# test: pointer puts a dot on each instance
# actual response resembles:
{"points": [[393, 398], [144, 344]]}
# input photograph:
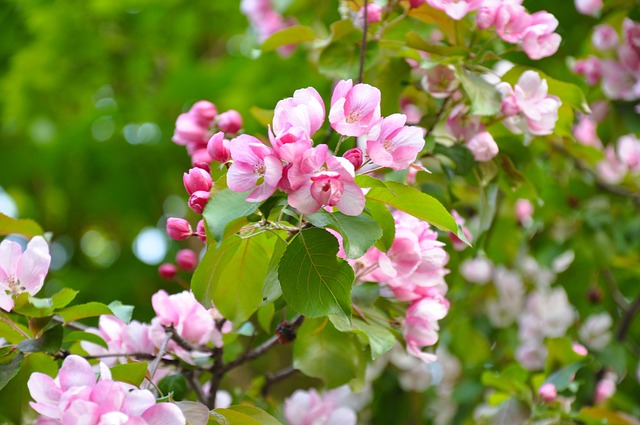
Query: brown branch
{"points": [[276, 377], [195, 386]]}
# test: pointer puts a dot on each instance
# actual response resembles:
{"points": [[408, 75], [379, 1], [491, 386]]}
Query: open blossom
{"points": [[483, 146], [440, 81], [253, 161], [22, 271], [604, 37], [611, 169], [312, 408], [590, 68], [392, 144], [456, 9], [540, 40], [477, 270], [421, 325], [596, 331], [192, 127], [76, 398], [354, 108], [628, 149]]}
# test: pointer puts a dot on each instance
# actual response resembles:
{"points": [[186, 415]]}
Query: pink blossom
{"points": [[374, 15], [121, 338], [197, 179], [589, 7], [218, 148], [610, 169], [586, 133], [187, 260], [198, 200], [421, 325], [540, 40], [477, 270], [456, 9], [230, 121], [192, 127], [355, 156], [167, 271], [253, 161], [590, 68], [311, 408], [524, 211], [320, 179], [440, 81], [621, 79], [606, 387], [200, 231], [392, 144], [483, 147], [511, 22], [548, 392], [538, 107], [22, 271], [628, 148], [579, 349], [486, 16], [178, 228], [604, 37], [596, 331], [631, 32], [354, 109]]}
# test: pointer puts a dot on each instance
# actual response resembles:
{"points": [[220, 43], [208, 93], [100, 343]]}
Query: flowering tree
{"points": [[444, 192]]}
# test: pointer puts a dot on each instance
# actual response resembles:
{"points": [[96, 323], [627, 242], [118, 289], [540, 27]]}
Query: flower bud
{"points": [[483, 147], [218, 148], [204, 112], [200, 231], [187, 260], [178, 228], [200, 155], [167, 271], [354, 156], [198, 200], [230, 121], [205, 166], [548, 392], [197, 179]]}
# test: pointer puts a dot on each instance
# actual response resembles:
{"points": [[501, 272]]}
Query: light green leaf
{"points": [[25, 227], [62, 298], [358, 233], [484, 97], [224, 207], [367, 181], [380, 338], [412, 201], [85, 336], [263, 417], [264, 116], [382, 215], [416, 42], [121, 311], [82, 311], [314, 281], [291, 35], [131, 373]]}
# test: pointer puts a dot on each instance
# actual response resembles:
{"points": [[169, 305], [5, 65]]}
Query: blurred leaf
{"points": [[121, 311], [291, 35], [25, 227], [176, 384], [429, 15], [561, 354], [484, 97], [563, 377], [321, 351], [416, 42], [511, 412], [382, 215], [310, 266], [8, 370], [358, 233], [82, 311], [604, 415], [380, 338], [265, 316], [511, 380], [132, 373], [85, 336], [195, 413], [342, 59], [49, 342], [252, 411], [264, 116], [413, 202]]}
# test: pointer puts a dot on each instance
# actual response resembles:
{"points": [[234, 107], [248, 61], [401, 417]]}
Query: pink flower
{"points": [[319, 179], [421, 325], [579, 349], [589, 7], [392, 144], [610, 169], [590, 68], [192, 127], [253, 161], [604, 37], [230, 121], [187, 260], [218, 148], [538, 107], [511, 22], [121, 338], [440, 81], [606, 388], [524, 211], [374, 14], [311, 408], [197, 179], [198, 200], [540, 40], [354, 109], [178, 228], [477, 270], [456, 9], [22, 271], [628, 148], [548, 392], [355, 156], [619, 79], [586, 133], [631, 32], [483, 147]]}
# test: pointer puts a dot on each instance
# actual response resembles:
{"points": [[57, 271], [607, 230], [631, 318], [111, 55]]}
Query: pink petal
{"points": [[164, 414], [301, 200], [6, 302], [340, 91], [352, 201], [34, 265], [76, 372], [10, 253], [378, 154], [137, 402]]}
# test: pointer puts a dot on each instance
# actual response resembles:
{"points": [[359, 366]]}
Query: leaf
{"points": [[25, 227], [85, 336], [604, 415], [341, 59], [10, 369], [121, 311], [412, 201], [429, 15], [233, 275], [484, 97], [381, 214], [195, 413], [271, 290], [49, 342], [314, 281], [380, 338], [256, 413], [264, 116], [321, 351], [82, 311], [224, 207], [175, 384], [563, 377], [358, 233], [291, 35], [511, 412], [62, 298], [265, 316], [568, 93], [367, 181], [416, 42], [132, 373]]}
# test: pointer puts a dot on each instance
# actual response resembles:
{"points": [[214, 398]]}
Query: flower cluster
{"points": [[623, 159], [265, 20], [312, 408], [75, 397]]}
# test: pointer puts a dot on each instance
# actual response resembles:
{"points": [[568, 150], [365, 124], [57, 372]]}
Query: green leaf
{"points": [[10, 369], [265, 316], [321, 351], [429, 15], [176, 384], [416, 42], [484, 97], [224, 207], [568, 93], [314, 281], [563, 377], [25, 227], [195, 413], [131, 373], [49, 342], [85, 336], [264, 116], [62, 298], [233, 275], [382, 215], [380, 338], [358, 233], [291, 35], [271, 290], [341, 59], [605, 416], [263, 417], [82, 311], [367, 181], [413, 202], [121, 311]]}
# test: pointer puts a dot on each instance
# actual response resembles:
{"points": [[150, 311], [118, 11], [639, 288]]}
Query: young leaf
{"points": [[121, 311], [82, 311], [24, 227], [563, 377], [62, 298], [224, 207], [413, 202], [291, 35], [485, 98], [49, 342], [358, 233], [131, 373], [85, 336], [314, 281]]}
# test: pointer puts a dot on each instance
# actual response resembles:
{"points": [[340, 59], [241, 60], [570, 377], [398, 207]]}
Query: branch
{"points": [[627, 319], [195, 386], [363, 46], [217, 373], [71, 325], [156, 362], [275, 377], [615, 292]]}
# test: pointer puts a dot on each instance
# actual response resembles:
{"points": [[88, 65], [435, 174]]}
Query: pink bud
{"points": [[197, 179], [548, 392], [198, 200], [230, 121], [580, 349], [604, 37], [354, 156], [203, 165], [218, 148], [167, 271], [187, 260], [201, 234], [416, 3], [605, 388], [200, 155], [178, 228], [204, 112], [510, 106]]}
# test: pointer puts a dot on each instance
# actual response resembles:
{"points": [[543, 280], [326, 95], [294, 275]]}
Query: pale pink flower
{"points": [[230, 121], [589, 7], [421, 325], [631, 32], [311, 408], [511, 22], [483, 147], [477, 270], [540, 40], [538, 107], [610, 169], [354, 108], [456, 9], [374, 15], [604, 37], [253, 161], [620, 81], [532, 355], [22, 271], [596, 331], [606, 387], [440, 81], [628, 148], [121, 338], [586, 133], [392, 144], [524, 211], [548, 392], [590, 68]]}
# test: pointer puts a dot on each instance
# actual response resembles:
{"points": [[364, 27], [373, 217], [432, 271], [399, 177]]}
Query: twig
{"points": [[627, 319], [217, 373], [71, 325], [195, 386], [615, 292], [156, 362], [363, 46], [275, 377], [183, 343]]}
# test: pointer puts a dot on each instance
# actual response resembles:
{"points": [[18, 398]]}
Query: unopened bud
{"points": [[218, 148], [167, 271], [201, 234], [187, 260], [548, 392], [178, 228], [204, 111], [230, 121], [197, 179], [354, 156], [198, 200]]}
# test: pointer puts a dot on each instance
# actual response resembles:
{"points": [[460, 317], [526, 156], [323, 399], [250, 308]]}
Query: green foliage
{"points": [[175, 384], [9, 369], [24, 227], [82, 311], [224, 208], [49, 342], [131, 373], [358, 233], [291, 35]]}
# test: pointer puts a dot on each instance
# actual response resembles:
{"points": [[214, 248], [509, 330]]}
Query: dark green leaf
{"points": [[25, 227], [85, 336], [131, 373], [176, 384], [291, 35], [358, 233], [314, 281], [49, 342], [271, 290], [224, 207], [9, 369], [82, 311]]}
